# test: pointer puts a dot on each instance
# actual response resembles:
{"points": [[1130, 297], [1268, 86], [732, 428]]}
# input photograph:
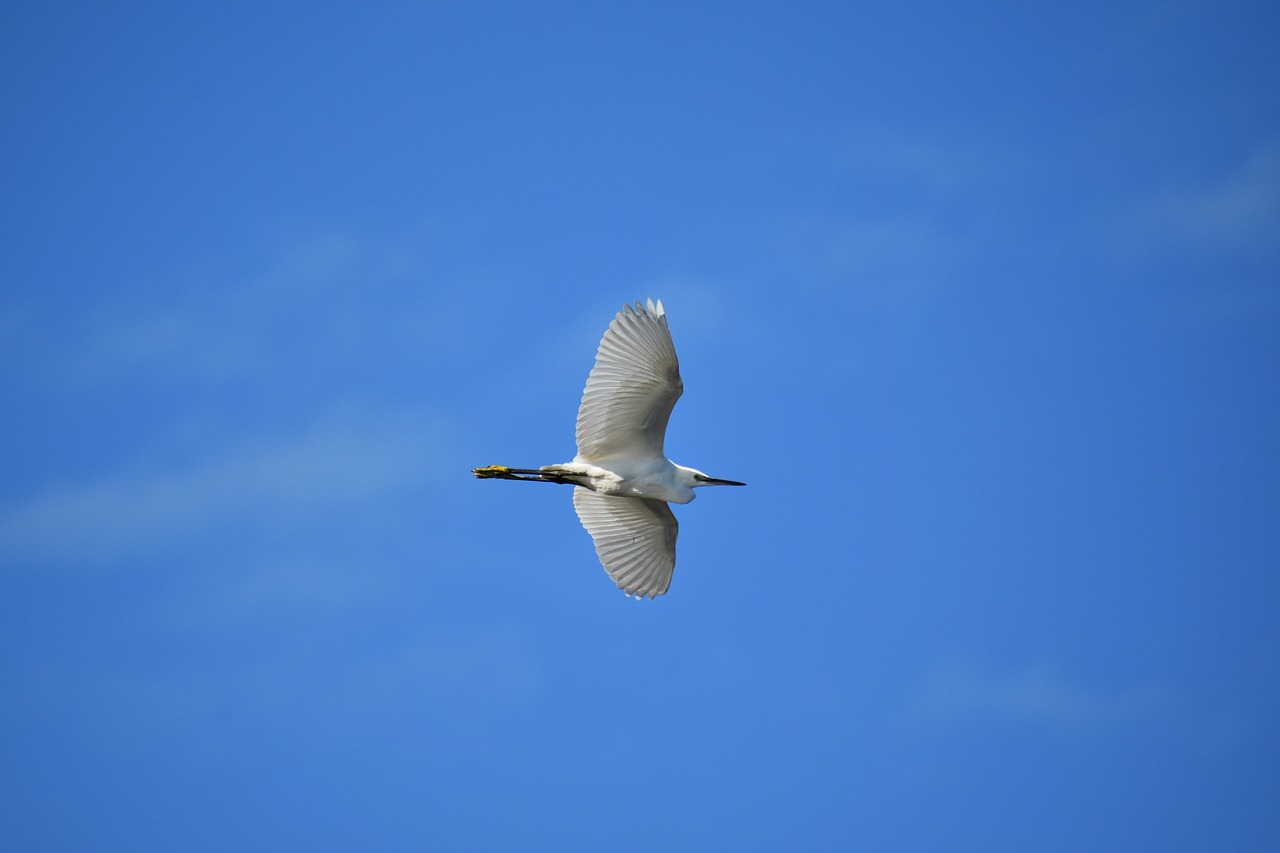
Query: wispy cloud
{"points": [[1239, 211], [1038, 695], [329, 465], [929, 167], [330, 298]]}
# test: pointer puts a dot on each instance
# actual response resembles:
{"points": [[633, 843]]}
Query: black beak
{"points": [[712, 481]]}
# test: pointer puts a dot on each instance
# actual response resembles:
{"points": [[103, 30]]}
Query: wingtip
{"points": [[651, 307], [638, 594]]}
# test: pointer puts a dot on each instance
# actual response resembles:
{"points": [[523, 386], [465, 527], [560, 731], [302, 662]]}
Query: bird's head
{"points": [[694, 478]]}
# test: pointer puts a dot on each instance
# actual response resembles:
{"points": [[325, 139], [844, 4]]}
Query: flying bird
{"points": [[623, 480]]}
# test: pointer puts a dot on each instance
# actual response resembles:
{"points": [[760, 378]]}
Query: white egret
{"points": [[623, 479]]}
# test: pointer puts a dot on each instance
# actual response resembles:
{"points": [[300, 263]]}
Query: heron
{"points": [[624, 483]]}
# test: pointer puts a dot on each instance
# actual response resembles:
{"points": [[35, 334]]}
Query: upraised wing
{"points": [[632, 387], [635, 539]]}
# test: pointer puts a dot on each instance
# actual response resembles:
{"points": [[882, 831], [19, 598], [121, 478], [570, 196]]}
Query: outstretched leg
{"points": [[502, 472]]}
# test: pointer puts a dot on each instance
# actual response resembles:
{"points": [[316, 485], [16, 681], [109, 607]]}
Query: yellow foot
{"points": [[492, 471]]}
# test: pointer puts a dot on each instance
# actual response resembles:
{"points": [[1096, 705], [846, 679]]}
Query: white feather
{"points": [[635, 539], [622, 477], [632, 388]]}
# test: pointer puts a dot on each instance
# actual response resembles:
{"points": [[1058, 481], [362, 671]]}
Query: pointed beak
{"points": [[712, 481]]}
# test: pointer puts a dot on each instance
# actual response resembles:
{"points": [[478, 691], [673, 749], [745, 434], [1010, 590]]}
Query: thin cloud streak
{"points": [[332, 297], [330, 465], [1240, 211], [1037, 695]]}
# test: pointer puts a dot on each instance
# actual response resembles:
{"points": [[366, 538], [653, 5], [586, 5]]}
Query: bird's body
{"points": [[650, 477], [624, 479]]}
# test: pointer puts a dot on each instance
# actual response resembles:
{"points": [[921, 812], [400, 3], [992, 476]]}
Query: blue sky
{"points": [[982, 300]]}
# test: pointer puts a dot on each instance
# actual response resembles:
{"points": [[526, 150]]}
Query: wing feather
{"points": [[632, 387], [635, 539]]}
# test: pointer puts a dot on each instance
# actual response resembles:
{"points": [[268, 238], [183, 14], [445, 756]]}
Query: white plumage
{"points": [[622, 476], [635, 539]]}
